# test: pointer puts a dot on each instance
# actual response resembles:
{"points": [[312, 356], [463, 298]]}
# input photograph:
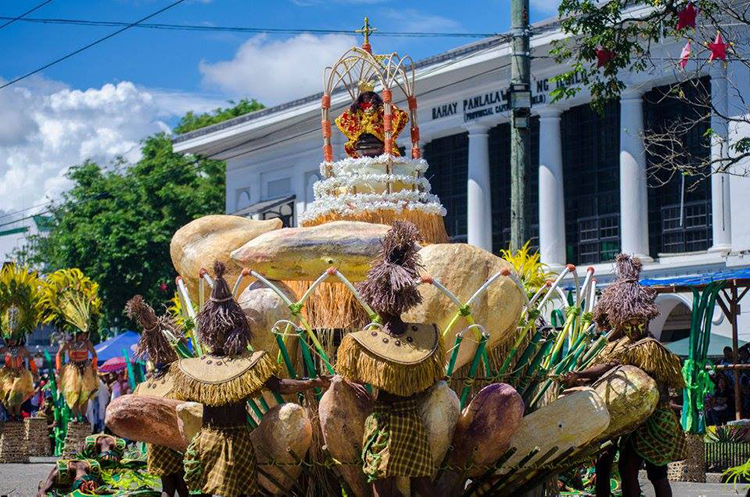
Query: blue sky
{"points": [[171, 59], [102, 103]]}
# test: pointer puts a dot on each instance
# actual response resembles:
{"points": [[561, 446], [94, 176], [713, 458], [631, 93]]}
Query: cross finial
{"points": [[366, 31]]}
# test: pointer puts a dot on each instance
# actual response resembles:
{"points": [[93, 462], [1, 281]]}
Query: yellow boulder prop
{"points": [[303, 254], [463, 269], [631, 397], [199, 243]]}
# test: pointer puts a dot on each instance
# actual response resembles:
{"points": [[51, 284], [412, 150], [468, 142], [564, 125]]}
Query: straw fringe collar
{"points": [[230, 391], [356, 363]]}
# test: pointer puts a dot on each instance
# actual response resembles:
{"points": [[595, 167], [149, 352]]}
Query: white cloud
{"points": [[46, 127], [276, 71]]}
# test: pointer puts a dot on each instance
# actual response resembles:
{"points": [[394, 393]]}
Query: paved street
{"points": [[21, 480]]}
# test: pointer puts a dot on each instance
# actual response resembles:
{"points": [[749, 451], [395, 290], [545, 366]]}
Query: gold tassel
{"points": [[656, 361], [232, 391], [357, 364], [431, 226]]}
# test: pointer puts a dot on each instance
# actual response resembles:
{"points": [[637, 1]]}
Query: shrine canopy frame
{"points": [[386, 73], [736, 286]]}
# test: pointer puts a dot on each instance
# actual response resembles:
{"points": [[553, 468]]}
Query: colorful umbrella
{"points": [[113, 365]]}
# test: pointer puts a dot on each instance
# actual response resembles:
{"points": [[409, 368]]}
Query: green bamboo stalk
{"points": [[454, 355], [309, 365], [255, 408], [285, 355], [473, 370]]}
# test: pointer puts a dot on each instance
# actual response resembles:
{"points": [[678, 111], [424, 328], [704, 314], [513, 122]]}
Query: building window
{"points": [[591, 168], [448, 158], [679, 207], [499, 150]]}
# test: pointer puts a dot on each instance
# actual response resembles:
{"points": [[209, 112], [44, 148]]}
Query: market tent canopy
{"points": [[715, 345], [700, 279], [113, 347]]}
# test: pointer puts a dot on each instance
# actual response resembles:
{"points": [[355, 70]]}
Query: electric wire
{"points": [[11, 20], [92, 44], [244, 29]]}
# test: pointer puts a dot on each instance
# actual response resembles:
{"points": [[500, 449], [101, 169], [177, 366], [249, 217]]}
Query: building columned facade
{"points": [[594, 191]]}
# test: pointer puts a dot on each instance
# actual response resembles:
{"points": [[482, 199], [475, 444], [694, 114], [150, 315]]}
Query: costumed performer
{"points": [[163, 462], [71, 304], [221, 460], [626, 308], [401, 360], [77, 378], [19, 315], [363, 125], [71, 475]]}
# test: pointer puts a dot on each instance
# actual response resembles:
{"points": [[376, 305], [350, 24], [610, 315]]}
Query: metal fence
{"points": [[721, 456]]}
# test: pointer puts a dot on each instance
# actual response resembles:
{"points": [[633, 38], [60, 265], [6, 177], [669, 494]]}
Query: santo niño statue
{"points": [[363, 125]]}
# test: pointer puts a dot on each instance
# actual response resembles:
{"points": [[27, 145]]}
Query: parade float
{"points": [[496, 420]]}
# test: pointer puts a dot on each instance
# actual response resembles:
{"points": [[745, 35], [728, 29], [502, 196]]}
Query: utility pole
{"points": [[520, 131]]}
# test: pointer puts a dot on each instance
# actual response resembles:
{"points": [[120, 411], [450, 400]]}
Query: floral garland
{"points": [[326, 187], [367, 202], [350, 165]]}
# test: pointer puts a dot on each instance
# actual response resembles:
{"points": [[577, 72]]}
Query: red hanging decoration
{"points": [[603, 57], [686, 17], [718, 48]]}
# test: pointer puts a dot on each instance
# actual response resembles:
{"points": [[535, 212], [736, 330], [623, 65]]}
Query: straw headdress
{"points": [[390, 287], [222, 324], [152, 344], [625, 300]]}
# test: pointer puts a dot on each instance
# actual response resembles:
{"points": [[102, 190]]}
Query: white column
{"points": [[633, 181], [720, 208], [479, 196], [551, 193]]}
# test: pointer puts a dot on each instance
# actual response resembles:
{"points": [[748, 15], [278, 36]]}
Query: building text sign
{"points": [[498, 102]]}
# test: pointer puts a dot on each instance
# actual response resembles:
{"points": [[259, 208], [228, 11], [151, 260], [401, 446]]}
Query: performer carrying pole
{"points": [[401, 360], [221, 459]]}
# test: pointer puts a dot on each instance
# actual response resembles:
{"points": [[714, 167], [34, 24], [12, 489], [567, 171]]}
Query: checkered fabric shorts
{"points": [[660, 440], [395, 442], [163, 461], [221, 461]]}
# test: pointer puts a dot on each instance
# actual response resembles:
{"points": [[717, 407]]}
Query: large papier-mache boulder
{"points": [[146, 419], [189, 420], [463, 269], [263, 308], [482, 434], [303, 254], [570, 421], [439, 411], [342, 419], [202, 241], [631, 397], [284, 429]]}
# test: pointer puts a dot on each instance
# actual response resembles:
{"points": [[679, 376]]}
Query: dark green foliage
{"points": [[191, 121]]}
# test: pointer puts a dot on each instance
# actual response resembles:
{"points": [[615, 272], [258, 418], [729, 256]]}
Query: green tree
{"points": [[192, 121], [116, 222], [611, 38]]}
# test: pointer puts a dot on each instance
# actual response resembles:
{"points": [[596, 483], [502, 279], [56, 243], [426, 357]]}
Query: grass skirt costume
{"points": [[78, 383], [660, 440], [16, 385], [395, 441], [221, 460]]}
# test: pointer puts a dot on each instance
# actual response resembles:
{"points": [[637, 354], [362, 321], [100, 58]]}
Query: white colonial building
{"points": [[591, 196]]}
